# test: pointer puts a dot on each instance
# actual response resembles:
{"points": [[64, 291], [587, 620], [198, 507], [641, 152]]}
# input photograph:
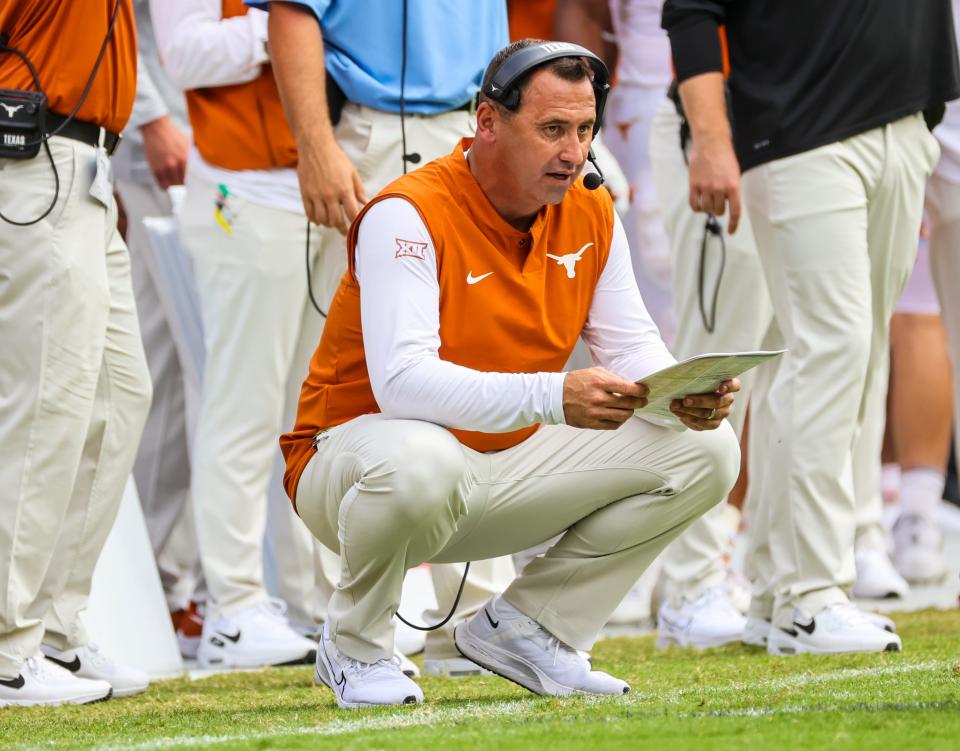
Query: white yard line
{"points": [[452, 716]]}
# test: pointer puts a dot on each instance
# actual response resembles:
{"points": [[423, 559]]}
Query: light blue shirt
{"points": [[449, 43]]}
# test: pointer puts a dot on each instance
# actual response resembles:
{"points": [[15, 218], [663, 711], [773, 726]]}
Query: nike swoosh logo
{"points": [[341, 682], [809, 627], [493, 623], [234, 638], [73, 666], [13, 682], [471, 279]]}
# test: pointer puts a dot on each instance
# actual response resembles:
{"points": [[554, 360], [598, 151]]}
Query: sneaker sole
{"points": [[124, 692], [509, 666], [89, 699], [784, 645], [221, 661]]}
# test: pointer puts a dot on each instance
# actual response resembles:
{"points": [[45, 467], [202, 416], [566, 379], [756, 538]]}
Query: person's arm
{"points": [[693, 26], [199, 48], [624, 339], [331, 189], [400, 317], [164, 145]]}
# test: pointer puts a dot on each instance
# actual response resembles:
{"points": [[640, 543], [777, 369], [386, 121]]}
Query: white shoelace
{"points": [[847, 614], [550, 643], [389, 667]]}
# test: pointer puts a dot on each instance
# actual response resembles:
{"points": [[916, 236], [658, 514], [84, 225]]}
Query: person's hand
{"points": [[331, 189], [715, 178], [166, 147], [596, 398], [706, 411]]}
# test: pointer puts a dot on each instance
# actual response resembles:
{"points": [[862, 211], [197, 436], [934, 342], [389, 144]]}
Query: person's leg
{"points": [[630, 114], [943, 208], [895, 217], [162, 466], [616, 497], [694, 563], [252, 288], [809, 215], [386, 495], [54, 307]]}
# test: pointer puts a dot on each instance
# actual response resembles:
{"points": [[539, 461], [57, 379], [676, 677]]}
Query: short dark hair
{"points": [[568, 68]]}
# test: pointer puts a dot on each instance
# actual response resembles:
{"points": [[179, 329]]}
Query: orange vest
{"points": [[242, 126], [62, 40], [525, 318]]}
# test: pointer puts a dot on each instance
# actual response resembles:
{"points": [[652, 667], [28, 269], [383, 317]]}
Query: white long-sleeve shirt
{"points": [[200, 49], [400, 316]]}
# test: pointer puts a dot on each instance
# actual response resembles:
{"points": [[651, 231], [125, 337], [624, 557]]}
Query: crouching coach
{"points": [[436, 423]]}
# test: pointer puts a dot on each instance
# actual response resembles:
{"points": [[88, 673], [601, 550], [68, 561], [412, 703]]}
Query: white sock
{"points": [[890, 482], [921, 490]]}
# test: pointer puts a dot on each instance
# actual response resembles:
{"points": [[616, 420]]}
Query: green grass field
{"points": [[734, 697]]}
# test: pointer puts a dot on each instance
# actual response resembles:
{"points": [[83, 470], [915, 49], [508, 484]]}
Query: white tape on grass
{"points": [[445, 716]]}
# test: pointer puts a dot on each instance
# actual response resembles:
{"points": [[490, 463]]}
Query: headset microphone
{"points": [[593, 180], [413, 157]]}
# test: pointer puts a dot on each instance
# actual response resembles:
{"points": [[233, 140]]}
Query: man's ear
{"points": [[488, 122]]}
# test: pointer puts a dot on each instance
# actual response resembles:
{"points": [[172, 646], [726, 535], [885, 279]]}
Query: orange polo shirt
{"points": [[62, 39], [526, 320]]}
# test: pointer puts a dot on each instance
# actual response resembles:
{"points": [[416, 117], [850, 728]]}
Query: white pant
{"points": [[391, 494], [372, 140], [162, 466], [253, 295], [74, 395], [836, 228], [629, 121], [695, 562], [943, 211]]}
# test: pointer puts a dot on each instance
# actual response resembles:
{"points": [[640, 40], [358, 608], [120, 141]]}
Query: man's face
{"points": [[545, 143]]}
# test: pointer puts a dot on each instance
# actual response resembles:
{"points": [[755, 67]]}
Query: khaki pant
{"points": [[391, 494], [836, 228], [372, 140], [695, 562], [943, 212], [162, 466], [74, 395], [253, 296]]}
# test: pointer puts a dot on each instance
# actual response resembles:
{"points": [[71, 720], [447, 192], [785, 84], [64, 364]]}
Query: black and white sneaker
{"points": [[42, 682], [256, 636], [357, 684], [837, 628], [89, 661]]}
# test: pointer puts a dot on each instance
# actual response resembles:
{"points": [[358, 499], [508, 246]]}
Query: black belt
{"points": [[79, 130]]}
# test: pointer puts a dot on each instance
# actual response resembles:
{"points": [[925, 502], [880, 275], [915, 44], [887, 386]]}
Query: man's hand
{"points": [[706, 411], [332, 191], [714, 170], [166, 147], [715, 178], [596, 398]]}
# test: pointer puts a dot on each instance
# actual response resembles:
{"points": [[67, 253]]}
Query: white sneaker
{"points": [[738, 590], [42, 682], [256, 636], [709, 621], [453, 667], [918, 548], [506, 642], [876, 576], [357, 684], [837, 628], [756, 631], [90, 662], [407, 666]]}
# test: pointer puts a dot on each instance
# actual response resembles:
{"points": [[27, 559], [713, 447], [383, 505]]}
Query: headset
{"points": [[504, 85], [38, 100]]}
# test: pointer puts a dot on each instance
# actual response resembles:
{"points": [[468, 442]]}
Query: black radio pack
{"points": [[22, 119]]}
